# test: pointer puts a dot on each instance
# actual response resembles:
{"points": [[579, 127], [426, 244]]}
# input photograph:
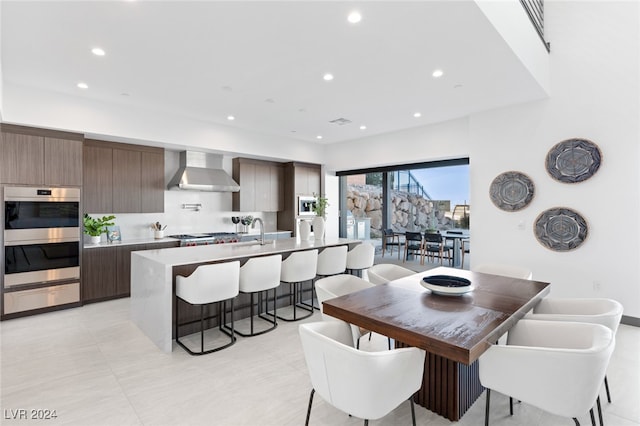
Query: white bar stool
{"points": [[360, 258], [208, 284], [259, 275], [331, 261], [299, 267]]}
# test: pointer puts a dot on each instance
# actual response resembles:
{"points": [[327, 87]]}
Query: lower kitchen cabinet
{"points": [[106, 271], [98, 274]]}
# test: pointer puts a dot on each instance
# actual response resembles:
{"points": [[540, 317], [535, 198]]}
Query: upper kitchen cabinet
{"points": [[123, 178], [299, 179], [261, 184], [307, 179], [32, 156]]}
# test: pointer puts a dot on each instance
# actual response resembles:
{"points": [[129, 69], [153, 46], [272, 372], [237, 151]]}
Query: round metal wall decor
{"points": [[511, 191], [560, 229], [573, 160]]}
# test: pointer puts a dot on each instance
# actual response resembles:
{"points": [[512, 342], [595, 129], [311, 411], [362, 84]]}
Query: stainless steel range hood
{"points": [[200, 171]]}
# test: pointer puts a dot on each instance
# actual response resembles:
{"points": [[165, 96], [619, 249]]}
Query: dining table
{"points": [[456, 237], [454, 330]]}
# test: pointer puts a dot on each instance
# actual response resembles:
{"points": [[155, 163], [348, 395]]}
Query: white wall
{"points": [[121, 122], [595, 94]]}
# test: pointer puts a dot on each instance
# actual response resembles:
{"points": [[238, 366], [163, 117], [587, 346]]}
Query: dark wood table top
{"points": [[459, 328]]}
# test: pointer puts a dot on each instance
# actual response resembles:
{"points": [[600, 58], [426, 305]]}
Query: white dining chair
{"points": [[367, 385], [512, 271], [340, 285], [557, 367], [607, 312], [382, 273]]}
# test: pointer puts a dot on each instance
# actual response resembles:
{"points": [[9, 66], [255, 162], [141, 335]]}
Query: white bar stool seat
{"points": [[208, 284], [257, 276], [360, 258], [299, 267]]}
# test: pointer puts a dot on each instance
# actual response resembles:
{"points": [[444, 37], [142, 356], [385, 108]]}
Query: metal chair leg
{"points": [[511, 406], [593, 418], [413, 411], [606, 387], [599, 411], [577, 422], [306, 423], [486, 408]]}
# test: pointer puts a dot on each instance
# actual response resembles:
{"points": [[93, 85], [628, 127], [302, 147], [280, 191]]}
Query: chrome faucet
{"points": [[253, 225]]}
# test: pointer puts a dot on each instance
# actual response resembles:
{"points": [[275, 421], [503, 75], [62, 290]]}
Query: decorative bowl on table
{"points": [[447, 285]]}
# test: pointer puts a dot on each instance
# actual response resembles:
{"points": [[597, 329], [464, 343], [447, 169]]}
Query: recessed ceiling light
{"points": [[354, 17], [363, 127], [319, 137], [230, 117], [97, 51], [83, 85], [328, 77], [417, 115], [438, 73]]}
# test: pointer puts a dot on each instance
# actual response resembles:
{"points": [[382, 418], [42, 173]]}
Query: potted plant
{"points": [[320, 209], [96, 227]]}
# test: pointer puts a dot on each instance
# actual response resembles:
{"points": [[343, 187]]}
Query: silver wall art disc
{"points": [[561, 229], [573, 160], [511, 191]]}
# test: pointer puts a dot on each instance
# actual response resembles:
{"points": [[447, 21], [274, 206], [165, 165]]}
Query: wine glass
{"points": [[236, 221]]}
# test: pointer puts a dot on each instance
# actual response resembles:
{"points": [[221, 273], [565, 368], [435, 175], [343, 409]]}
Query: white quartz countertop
{"points": [[218, 252], [149, 240]]}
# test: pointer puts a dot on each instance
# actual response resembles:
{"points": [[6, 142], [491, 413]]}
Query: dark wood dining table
{"points": [[453, 330]]}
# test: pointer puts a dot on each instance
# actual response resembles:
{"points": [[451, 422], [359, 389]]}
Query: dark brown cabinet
{"points": [[62, 162], [299, 179], [98, 179], [261, 185], [98, 274], [123, 178], [127, 168], [32, 156], [106, 271], [152, 182]]}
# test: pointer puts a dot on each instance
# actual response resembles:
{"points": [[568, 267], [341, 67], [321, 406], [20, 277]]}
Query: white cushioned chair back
{"points": [[556, 366], [339, 285], [260, 273], [299, 266], [210, 283], [512, 271], [332, 260], [385, 272], [361, 256], [364, 384], [607, 312]]}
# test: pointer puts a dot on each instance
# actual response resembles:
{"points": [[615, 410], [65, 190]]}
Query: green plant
{"points": [[320, 207], [98, 226]]}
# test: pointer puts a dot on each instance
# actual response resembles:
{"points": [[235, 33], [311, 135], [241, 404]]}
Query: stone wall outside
{"points": [[409, 212]]}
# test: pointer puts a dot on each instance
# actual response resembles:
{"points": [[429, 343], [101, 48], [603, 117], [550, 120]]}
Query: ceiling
{"points": [[263, 62]]}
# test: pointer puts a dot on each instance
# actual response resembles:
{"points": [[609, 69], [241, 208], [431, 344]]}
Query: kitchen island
{"points": [[153, 275]]}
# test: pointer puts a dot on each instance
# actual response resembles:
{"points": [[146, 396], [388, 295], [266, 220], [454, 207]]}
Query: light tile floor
{"points": [[93, 366]]}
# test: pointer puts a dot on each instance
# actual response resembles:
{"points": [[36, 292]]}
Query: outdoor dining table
{"points": [[457, 238], [453, 330]]}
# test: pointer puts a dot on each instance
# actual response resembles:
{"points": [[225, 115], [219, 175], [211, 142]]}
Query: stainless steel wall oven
{"points": [[41, 248]]}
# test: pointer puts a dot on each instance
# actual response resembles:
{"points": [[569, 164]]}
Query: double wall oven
{"points": [[41, 248]]}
